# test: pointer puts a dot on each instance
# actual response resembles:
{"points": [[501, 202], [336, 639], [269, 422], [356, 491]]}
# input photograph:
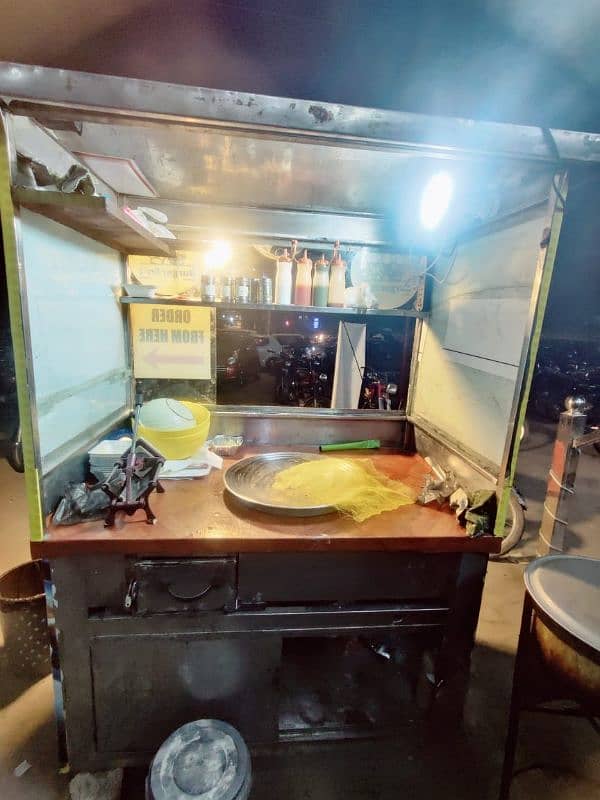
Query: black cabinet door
{"points": [[144, 687]]}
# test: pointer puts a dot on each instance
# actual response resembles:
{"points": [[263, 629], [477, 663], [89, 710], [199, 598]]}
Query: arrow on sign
{"points": [[155, 357]]}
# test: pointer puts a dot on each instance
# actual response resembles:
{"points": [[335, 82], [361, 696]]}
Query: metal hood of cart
{"points": [[247, 164]]}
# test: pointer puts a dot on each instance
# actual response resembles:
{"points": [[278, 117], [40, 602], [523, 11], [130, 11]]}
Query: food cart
{"points": [[214, 609]]}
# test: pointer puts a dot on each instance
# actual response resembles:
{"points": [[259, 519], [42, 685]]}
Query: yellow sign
{"points": [[171, 341]]}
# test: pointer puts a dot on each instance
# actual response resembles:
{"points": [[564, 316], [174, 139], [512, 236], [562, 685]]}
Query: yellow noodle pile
{"points": [[354, 487]]}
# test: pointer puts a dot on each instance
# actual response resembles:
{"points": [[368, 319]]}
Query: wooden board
{"points": [[196, 518]]}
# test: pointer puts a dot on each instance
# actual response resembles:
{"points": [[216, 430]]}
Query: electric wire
{"points": [[431, 274]]}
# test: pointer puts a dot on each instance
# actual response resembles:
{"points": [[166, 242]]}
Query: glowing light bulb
{"points": [[436, 199], [218, 254]]}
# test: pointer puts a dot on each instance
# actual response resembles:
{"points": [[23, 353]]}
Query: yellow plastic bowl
{"points": [[177, 444]]}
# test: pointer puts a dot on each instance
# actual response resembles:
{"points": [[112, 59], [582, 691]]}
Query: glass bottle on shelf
{"points": [[302, 288], [320, 287], [337, 279], [283, 280]]}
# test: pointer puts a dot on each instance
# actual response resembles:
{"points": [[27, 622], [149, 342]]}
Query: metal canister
{"points": [[257, 291], [242, 290], [267, 290], [227, 290], [208, 285]]}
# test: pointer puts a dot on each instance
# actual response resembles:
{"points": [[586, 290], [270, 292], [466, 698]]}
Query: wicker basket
{"points": [[23, 620]]}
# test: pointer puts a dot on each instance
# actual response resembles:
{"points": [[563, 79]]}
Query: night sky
{"points": [[530, 61]]}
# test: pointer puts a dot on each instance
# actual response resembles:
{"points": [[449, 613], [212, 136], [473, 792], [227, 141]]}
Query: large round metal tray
{"points": [[567, 589], [251, 482]]}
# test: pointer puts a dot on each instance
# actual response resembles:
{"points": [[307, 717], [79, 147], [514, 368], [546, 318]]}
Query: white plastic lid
{"points": [[165, 414]]}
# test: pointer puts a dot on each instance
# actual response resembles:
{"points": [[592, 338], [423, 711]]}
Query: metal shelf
{"points": [[94, 217], [369, 312]]}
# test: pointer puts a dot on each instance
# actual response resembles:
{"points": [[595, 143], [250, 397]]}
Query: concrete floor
{"points": [[444, 764]]}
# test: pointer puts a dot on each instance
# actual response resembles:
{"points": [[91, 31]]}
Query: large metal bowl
{"points": [[250, 481], [572, 662], [566, 593]]}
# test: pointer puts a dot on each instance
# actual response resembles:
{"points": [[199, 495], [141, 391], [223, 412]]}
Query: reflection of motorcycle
{"points": [[377, 392], [304, 378]]}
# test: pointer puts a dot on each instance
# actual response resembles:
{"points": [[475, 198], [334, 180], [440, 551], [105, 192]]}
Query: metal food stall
{"points": [[215, 609]]}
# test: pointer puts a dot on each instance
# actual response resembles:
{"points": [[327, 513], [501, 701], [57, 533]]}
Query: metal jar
{"points": [[209, 288], [267, 290], [257, 296], [242, 290], [227, 290]]}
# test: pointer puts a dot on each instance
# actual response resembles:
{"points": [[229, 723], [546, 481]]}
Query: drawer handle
{"points": [[130, 597], [190, 597]]}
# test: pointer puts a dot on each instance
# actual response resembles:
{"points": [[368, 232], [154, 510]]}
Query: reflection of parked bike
{"points": [[377, 392], [304, 378]]}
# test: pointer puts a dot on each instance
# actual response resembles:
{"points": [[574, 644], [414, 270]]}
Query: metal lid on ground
{"points": [[204, 760], [567, 589]]}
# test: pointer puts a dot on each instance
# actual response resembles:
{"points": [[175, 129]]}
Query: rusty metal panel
{"points": [[59, 91]]}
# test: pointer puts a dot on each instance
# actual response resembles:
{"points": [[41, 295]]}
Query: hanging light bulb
{"points": [[436, 199], [217, 255]]}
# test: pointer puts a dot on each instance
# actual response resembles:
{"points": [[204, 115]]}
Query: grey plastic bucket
{"points": [[23, 621]]}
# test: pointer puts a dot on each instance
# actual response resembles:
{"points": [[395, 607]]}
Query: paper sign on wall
{"points": [[169, 275], [171, 341]]}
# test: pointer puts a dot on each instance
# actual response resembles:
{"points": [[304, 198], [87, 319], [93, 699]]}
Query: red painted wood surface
{"points": [[195, 518]]}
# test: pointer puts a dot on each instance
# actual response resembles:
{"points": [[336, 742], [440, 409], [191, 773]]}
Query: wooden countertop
{"points": [[195, 518]]}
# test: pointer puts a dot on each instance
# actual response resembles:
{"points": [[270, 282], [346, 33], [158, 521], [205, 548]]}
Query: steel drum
{"points": [[250, 481], [566, 593]]}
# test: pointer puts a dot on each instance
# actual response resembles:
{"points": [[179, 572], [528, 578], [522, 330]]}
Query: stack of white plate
{"points": [[105, 454]]}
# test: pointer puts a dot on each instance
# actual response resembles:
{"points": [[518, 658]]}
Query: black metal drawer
{"points": [[345, 577], [195, 584]]}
